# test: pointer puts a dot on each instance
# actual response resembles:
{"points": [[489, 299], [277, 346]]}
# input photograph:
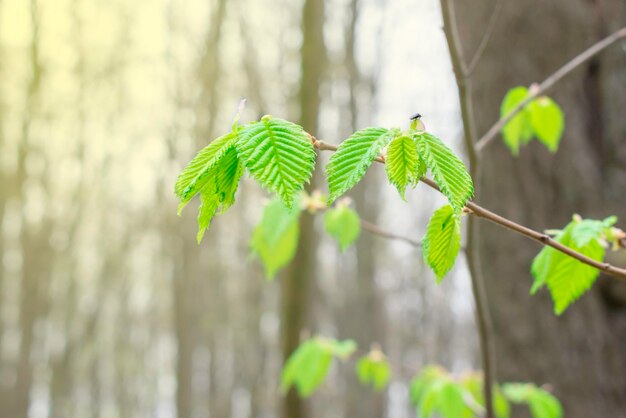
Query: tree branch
{"points": [[483, 213], [549, 82]]}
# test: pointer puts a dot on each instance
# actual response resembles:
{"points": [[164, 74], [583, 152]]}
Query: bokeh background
{"points": [[109, 308]]}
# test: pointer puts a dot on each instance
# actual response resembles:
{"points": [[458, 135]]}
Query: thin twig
{"points": [[549, 82], [376, 230], [540, 237], [485, 39]]}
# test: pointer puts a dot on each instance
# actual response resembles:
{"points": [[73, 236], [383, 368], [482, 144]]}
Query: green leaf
{"points": [[306, 368], [308, 365], [343, 224], [451, 403], [275, 238], [448, 170], [473, 384], [199, 171], [354, 155], [542, 404], [279, 155], [547, 121], [567, 278], [419, 384], [404, 168], [373, 369], [442, 241], [339, 348], [518, 130], [208, 206], [220, 189]]}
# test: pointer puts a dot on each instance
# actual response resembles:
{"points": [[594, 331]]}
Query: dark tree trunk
{"points": [[297, 282], [581, 354]]}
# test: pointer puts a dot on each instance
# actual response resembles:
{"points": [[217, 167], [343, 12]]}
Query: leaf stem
{"points": [[549, 82]]}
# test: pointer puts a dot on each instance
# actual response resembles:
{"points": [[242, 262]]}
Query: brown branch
{"points": [[550, 82], [481, 212]]}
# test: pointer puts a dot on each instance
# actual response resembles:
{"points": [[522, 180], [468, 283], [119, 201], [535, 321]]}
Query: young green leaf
{"points": [[404, 168], [518, 130], [473, 384], [421, 382], [275, 238], [547, 121], [448, 170], [542, 404], [373, 369], [199, 171], [220, 189], [208, 206], [567, 278], [442, 241], [308, 365], [343, 224], [306, 368], [348, 165], [279, 155]]}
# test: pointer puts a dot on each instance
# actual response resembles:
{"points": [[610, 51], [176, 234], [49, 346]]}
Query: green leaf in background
{"points": [[541, 117], [542, 404], [275, 238], [448, 170], [404, 168], [308, 365], [306, 368], [279, 155], [421, 382], [348, 165], [567, 278], [442, 241], [547, 121], [439, 396], [473, 383], [373, 369], [518, 130], [200, 170], [343, 224]]}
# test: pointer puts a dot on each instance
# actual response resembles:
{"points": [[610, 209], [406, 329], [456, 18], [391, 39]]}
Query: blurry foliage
{"points": [[542, 118]]}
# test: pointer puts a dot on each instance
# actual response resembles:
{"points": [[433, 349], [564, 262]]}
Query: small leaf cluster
{"points": [[567, 278], [277, 153], [374, 370], [409, 156], [436, 393], [308, 365], [541, 118], [275, 237]]}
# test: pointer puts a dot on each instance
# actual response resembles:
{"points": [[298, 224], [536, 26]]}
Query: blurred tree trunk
{"points": [[582, 354], [297, 282], [363, 313]]}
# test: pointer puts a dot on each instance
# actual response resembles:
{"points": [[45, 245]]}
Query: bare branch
{"points": [[550, 82]]}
